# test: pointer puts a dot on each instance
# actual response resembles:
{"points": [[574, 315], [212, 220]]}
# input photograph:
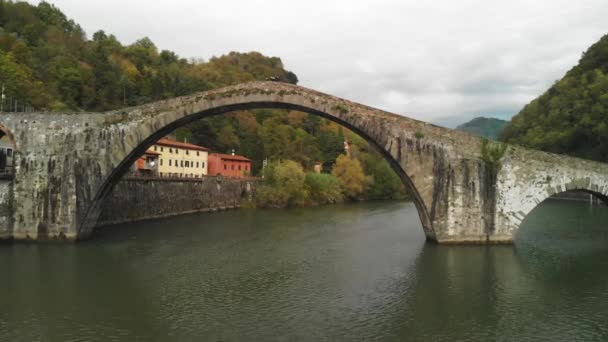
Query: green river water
{"points": [[357, 272]]}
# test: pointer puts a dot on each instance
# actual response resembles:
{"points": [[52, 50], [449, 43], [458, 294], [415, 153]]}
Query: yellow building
{"points": [[179, 159]]}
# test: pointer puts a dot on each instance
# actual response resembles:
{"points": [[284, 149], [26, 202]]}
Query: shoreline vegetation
{"points": [[286, 184]]}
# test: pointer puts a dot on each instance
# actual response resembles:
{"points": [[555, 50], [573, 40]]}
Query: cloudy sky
{"points": [[443, 61]]}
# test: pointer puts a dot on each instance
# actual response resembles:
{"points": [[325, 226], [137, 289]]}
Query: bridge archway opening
{"points": [[567, 215], [94, 210]]}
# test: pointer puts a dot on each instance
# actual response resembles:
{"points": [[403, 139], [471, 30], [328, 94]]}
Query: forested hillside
{"points": [[48, 64], [490, 128], [572, 116]]}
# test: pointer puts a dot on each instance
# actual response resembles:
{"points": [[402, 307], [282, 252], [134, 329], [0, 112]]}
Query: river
{"points": [[337, 273]]}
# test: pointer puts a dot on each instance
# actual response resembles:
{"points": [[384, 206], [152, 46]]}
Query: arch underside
{"points": [[598, 195], [556, 195], [87, 224]]}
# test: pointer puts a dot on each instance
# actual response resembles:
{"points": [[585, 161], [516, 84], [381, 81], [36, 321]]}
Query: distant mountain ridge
{"points": [[490, 128]]}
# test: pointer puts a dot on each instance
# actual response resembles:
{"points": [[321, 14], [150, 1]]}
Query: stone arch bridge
{"points": [[66, 164]]}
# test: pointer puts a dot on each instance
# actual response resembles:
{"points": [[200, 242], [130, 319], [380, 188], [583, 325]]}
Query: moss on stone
{"points": [[491, 154]]}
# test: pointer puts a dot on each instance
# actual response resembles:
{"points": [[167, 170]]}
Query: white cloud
{"points": [[440, 60]]}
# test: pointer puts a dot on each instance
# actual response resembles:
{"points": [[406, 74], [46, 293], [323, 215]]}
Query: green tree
{"points": [[323, 188], [570, 117], [350, 174], [284, 185]]}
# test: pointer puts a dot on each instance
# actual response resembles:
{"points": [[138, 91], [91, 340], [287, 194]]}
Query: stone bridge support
{"points": [[67, 164]]}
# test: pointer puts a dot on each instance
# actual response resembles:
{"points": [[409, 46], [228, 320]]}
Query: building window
{"points": [[203, 165], [197, 164], [162, 149], [187, 152], [239, 167], [197, 153], [161, 162], [155, 148], [169, 162], [224, 166], [170, 150], [181, 163]]}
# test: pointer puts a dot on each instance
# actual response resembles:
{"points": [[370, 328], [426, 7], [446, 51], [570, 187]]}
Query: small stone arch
{"points": [[581, 186], [4, 131]]}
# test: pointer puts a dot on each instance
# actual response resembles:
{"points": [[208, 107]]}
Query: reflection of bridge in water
{"points": [[465, 191]]}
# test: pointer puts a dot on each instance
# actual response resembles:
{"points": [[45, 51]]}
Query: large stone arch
{"points": [[423, 155], [181, 118]]}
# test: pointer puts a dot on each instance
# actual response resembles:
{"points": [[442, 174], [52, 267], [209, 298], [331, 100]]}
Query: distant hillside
{"points": [[572, 116], [48, 63], [490, 128]]}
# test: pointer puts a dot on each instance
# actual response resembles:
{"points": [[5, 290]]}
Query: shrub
{"points": [[323, 188], [284, 185], [350, 173]]}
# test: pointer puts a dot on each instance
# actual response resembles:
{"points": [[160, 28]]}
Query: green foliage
{"points": [[323, 188], [386, 184], [350, 174], [284, 186], [490, 128], [48, 64], [571, 117], [491, 154], [419, 135]]}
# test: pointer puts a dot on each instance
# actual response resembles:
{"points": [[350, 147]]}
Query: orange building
{"points": [[229, 165]]}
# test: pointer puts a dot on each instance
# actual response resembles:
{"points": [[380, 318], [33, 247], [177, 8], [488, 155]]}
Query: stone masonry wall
{"points": [[6, 207], [137, 199]]}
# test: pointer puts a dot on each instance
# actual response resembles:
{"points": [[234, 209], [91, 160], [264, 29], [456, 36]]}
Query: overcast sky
{"points": [[443, 61]]}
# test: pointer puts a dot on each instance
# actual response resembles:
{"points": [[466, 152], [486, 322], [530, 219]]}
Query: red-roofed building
{"points": [[229, 165]]}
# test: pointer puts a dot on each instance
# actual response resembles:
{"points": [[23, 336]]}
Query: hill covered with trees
{"points": [[490, 128], [572, 116], [48, 64]]}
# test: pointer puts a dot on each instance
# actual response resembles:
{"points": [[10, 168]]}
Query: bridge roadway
{"points": [[466, 191]]}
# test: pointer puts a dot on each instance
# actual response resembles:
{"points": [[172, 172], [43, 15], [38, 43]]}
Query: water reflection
{"points": [[358, 272]]}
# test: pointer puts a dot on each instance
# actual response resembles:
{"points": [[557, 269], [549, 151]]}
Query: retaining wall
{"points": [[137, 199]]}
